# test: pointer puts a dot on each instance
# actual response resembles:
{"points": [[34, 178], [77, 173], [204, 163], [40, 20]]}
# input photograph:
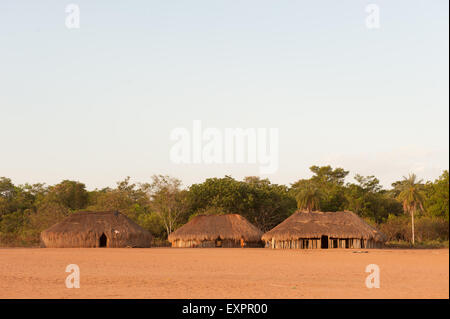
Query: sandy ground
{"points": [[223, 273]]}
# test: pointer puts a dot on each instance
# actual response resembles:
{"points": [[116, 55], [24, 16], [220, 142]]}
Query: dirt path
{"points": [[223, 273]]}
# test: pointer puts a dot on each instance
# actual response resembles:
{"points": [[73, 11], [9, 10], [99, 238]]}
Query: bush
{"points": [[427, 229], [153, 223], [431, 229], [421, 245], [396, 228], [12, 231]]}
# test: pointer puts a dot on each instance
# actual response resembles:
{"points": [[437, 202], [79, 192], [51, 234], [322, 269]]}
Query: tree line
{"points": [[409, 210]]}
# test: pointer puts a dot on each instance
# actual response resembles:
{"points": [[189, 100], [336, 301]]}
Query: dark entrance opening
{"points": [[218, 242], [324, 242], [103, 240], [335, 243]]}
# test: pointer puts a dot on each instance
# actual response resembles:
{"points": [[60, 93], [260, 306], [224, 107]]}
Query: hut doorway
{"points": [[335, 243], [324, 242], [103, 241], [218, 242]]}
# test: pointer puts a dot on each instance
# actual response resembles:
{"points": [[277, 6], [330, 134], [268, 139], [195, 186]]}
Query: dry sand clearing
{"points": [[222, 273]]}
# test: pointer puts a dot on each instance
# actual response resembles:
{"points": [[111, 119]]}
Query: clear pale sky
{"points": [[97, 104]]}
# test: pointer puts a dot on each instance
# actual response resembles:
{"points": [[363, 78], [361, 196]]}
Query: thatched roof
{"points": [[83, 229], [315, 224], [210, 227]]}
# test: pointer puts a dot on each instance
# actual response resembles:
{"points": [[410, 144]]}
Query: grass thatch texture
{"points": [[210, 227], [316, 224], [84, 229]]}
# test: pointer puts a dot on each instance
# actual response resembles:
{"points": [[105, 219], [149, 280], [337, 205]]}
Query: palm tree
{"points": [[411, 196], [308, 198]]}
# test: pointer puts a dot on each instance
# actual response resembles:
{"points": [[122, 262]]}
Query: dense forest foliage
{"points": [[162, 205]]}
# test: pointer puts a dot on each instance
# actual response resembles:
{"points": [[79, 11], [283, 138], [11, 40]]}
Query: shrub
{"points": [[431, 229], [398, 228], [153, 223]]}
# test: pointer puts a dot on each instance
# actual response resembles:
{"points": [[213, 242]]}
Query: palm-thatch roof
{"points": [[84, 229], [316, 224], [211, 227]]}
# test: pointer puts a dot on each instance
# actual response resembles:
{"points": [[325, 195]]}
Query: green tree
{"points": [[268, 204], [232, 196], [411, 196], [368, 199], [168, 200], [330, 182], [71, 194], [324, 175], [264, 204], [309, 197], [153, 222], [7, 194], [47, 214], [129, 198], [437, 196]]}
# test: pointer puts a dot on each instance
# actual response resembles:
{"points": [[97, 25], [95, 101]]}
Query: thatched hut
{"points": [[312, 230], [230, 230], [96, 229]]}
